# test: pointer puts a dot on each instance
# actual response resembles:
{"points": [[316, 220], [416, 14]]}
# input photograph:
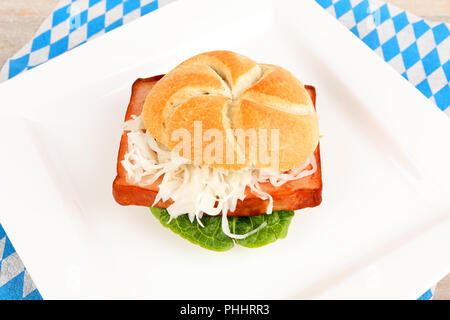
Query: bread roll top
{"points": [[223, 110]]}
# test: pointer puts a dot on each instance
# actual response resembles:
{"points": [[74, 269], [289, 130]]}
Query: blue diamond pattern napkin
{"points": [[419, 50]]}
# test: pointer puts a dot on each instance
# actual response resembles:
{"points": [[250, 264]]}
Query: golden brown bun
{"points": [[225, 90]]}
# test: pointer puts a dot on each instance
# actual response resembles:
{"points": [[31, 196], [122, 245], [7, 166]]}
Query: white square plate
{"points": [[382, 231]]}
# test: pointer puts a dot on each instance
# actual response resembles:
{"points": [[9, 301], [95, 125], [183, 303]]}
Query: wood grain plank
{"points": [[434, 10]]}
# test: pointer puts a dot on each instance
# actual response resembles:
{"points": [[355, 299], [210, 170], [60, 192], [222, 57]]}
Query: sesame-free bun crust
{"points": [[227, 91]]}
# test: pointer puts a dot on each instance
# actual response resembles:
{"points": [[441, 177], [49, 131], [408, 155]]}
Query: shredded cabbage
{"points": [[193, 189]]}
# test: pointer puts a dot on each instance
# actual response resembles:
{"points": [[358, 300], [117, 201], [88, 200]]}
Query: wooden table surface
{"points": [[19, 20]]}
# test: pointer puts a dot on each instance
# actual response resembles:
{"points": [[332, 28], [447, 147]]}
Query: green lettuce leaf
{"points": [[277, 228], [212, 237]]}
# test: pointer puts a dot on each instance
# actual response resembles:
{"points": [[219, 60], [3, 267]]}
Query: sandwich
{"points": [[222, 149]]}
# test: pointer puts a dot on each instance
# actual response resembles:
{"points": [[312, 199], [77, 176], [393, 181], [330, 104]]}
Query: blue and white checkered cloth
{"points": [[419, 50]]}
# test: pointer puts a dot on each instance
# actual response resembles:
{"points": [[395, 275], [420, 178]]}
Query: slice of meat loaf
{"points": [[293, 195]]}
